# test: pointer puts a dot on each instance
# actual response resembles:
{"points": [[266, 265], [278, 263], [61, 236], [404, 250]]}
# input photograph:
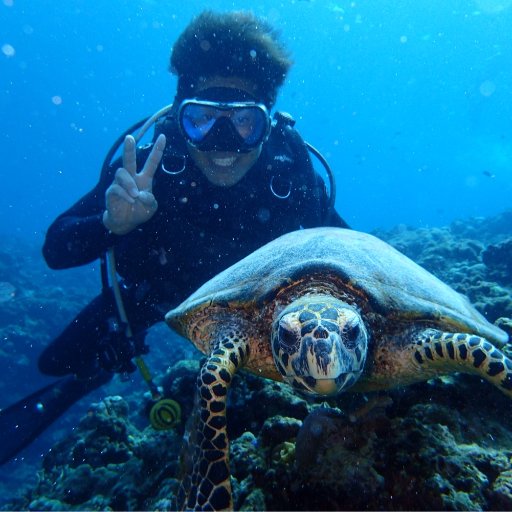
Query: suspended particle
{"points": [[8, 50], [487, 88]]}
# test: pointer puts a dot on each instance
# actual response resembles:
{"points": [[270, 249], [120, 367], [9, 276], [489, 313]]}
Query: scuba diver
{"points": [[221, 178]]}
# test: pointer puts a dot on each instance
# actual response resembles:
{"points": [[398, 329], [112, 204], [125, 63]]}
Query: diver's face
{"points": [[224, 168]]}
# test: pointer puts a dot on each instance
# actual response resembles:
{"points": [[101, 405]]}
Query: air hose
{"points": [[141, 365], [164, 413]]}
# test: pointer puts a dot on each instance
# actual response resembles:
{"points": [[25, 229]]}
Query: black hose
{"points": [[117, 144], [328, 170]]}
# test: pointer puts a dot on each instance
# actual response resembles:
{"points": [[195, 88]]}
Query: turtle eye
{"points": [[288, 338], [351, 333]]}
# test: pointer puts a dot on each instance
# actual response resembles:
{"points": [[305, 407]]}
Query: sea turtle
{"points": [[326, 310]]}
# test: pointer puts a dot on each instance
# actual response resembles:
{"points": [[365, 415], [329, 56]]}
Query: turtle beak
{"points": [[322, 358], [323, 367], [310, 386], [325, 387]]}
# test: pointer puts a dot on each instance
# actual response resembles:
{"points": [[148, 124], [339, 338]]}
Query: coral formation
{"points": [[473, 256], [498, 257], [106, 463], [445, 444]]}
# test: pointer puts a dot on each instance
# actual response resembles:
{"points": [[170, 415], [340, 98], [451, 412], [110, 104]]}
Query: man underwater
{"points": [[220, 179]]}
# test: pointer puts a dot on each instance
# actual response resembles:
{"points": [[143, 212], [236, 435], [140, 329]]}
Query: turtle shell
{"points": [[394, 287]]}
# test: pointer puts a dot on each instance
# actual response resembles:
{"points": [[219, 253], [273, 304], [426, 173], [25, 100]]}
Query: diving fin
{"points": [[23, 421]]}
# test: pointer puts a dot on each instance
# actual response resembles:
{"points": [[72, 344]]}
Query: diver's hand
{"points": [[130, 200]]}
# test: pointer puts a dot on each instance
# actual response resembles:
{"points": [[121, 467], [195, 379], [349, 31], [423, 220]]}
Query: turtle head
{"points": [[319, 344]]}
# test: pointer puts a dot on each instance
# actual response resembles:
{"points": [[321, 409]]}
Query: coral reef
{"points": [[499, 257], [34, 306], [473, 256], [445, 444], [106, 463]]}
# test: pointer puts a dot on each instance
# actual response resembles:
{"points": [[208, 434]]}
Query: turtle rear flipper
{"points": [[205, 483], [443, 352]]}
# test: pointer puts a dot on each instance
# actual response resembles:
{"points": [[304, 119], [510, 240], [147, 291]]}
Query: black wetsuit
{"points": [[198, 230]]}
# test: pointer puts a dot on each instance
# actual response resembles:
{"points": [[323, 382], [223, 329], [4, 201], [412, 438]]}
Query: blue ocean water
{"points": [[409, 101]]}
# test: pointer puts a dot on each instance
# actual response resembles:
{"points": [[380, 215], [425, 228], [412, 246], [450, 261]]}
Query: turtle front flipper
{"points": [[427, 353], [205, 481], [439, 352]]}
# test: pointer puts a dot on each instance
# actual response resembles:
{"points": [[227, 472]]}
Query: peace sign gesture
{"points": [[130, 200]]}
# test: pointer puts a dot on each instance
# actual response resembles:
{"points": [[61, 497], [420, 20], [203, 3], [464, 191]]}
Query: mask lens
{"points": [[197, 121], [249, 122]]}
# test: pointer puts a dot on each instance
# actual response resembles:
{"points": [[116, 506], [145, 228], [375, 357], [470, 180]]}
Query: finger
{"points": [[130, 155], [127, 181], [153, 160], [116, 190], [147, 199]]}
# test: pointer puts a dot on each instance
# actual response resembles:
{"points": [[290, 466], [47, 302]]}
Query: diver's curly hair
{"points": [[230, 44]]}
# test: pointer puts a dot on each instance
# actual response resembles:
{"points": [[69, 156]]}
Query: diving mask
{"points": [[239, 126]]}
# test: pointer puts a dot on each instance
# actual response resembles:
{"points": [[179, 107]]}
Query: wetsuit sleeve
{"points": [[78, 235]]}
